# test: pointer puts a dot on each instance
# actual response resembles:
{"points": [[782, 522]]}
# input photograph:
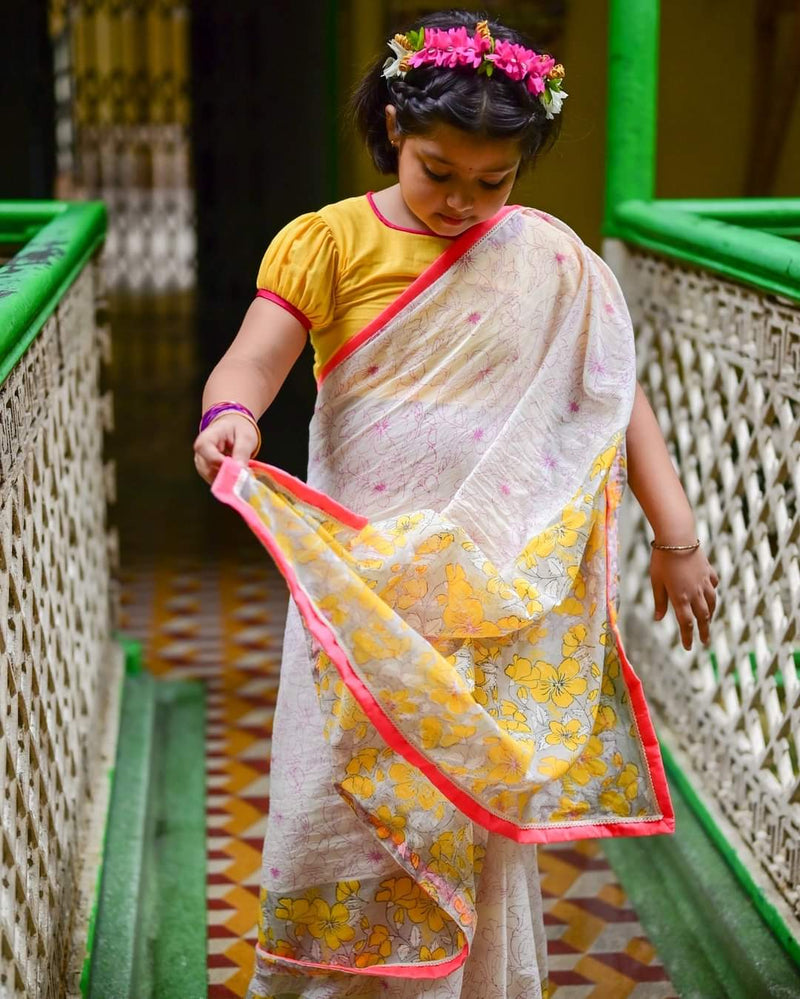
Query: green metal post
{"points": [[632, 98]]}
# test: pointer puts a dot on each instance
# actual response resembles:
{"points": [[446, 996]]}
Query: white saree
{"points": [[459, 691]]}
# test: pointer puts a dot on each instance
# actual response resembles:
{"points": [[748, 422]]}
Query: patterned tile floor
{"points": [[222, 622]]}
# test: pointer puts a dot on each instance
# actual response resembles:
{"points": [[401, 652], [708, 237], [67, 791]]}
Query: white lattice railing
{"points": [[720, 364], [58, 668]]}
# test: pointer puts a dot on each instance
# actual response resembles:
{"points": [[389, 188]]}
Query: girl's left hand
{"points": [[688, 582]]}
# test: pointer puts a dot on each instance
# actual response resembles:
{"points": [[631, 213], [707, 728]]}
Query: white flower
{"points": [[391, 67], [552, 101]]}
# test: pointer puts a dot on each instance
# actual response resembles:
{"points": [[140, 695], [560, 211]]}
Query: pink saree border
{"points": [[224, 490], [461, 245], [381, 970], [641, 712]]}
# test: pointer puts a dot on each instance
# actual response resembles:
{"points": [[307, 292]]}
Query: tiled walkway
{"points": [[223, 624]]}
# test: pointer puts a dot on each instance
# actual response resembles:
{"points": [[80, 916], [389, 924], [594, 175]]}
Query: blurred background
{"points": [[205, 126]]}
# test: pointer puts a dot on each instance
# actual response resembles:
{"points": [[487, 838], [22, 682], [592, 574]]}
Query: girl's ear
{"points": [[391, 124]]}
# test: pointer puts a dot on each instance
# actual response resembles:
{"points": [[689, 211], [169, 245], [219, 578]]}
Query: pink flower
{"points": [[535, 84], [450, 48], [505, 489], [511, 59], [474, 317]]}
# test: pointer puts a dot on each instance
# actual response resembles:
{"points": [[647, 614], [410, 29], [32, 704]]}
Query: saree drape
{"points": [[453, 562]]}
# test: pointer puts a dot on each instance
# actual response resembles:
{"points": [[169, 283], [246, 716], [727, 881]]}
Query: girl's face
{"points": [[451, 179]]}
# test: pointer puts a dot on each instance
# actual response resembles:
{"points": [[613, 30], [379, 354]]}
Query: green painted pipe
{"points": [[35, 279], [761, 259], [632, 96]]}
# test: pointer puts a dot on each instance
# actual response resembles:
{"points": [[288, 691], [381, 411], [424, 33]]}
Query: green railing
{"points": [[104, 771], [51, 242], [719, 361], [746, 240]]}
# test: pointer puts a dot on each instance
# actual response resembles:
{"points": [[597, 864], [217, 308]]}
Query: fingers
{"points": [[702, 615], [683, 612], [660, 599], [242, 443]]}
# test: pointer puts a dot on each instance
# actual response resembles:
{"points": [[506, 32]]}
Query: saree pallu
{"points": [[457, 689]]}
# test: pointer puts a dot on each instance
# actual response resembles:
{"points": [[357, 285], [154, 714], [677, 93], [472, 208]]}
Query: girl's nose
{"points": [[458, 201]]}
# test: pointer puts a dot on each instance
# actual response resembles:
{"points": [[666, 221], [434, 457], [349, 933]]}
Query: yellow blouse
{"points": [[340, 267]]}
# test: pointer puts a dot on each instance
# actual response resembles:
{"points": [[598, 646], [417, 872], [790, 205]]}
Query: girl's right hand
{"points": [[228, 436]]}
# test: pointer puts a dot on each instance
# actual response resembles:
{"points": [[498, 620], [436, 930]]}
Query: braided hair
{"points": [[496, 107]]}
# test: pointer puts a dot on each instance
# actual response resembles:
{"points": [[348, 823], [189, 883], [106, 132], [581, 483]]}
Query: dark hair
{"points": [[495, 106]]}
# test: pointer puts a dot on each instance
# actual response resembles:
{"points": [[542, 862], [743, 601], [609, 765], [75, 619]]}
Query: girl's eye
{"points": [[438, 177], [493, 187]]}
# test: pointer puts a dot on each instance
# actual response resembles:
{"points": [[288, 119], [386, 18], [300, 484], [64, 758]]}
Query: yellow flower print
{"points": [[553, 767], [295, 910], [403, 592], [433, 545], [389, 826], [398, 702], [411, 785], [558, 684], [348, 712], [511, 623], [588, 764], [475, 855], [331, 923], [454, 698], [628, 780], [511, 760], [333, 610], [405, 524], [605, 719], [433, 733], [573, 602], [528, 592], [568, 735], [603, 461], [359, 787], [615, 802], [432, 955], [569, 810], [573, 639], [372, 538], [426, 910], [380, 940], [378, 643], [365, 759], [511, 719], [562, 534], [463, 611], [346, 889]]}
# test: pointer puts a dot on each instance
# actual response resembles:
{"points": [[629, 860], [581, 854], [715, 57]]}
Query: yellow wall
{"points": [[708, 84]]}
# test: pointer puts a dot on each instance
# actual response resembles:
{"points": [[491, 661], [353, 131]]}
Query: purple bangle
{"points": [[222, 407]]}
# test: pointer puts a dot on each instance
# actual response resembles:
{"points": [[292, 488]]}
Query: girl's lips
{"points": [[451, 220]]}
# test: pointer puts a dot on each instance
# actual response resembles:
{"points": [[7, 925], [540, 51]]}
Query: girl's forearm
{"points": [[256, 364], [653, 479], [236, 380]]}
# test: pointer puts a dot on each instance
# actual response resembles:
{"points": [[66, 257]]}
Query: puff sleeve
{"points": [[299, 271]]}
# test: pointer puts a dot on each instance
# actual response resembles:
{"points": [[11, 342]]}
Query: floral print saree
{"points": [[454, 688]]}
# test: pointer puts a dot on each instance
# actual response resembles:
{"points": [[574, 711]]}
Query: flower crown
{"points": [[454, 47]]}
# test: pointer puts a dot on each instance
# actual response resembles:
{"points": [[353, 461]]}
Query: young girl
{"points": [[453, 687]]}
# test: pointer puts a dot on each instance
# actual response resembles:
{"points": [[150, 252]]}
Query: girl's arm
{"points": [[684, 578], [251, 372]]}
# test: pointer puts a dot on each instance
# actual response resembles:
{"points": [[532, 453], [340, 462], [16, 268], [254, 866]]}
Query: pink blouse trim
{"points": [[400, 228], [301, 317]]}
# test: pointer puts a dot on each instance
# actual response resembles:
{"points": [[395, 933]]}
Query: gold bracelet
{"points": [[675, 548]]}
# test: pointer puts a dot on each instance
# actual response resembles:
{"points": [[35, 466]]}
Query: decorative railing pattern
{"points": [[720, 363], [58, 667]]}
